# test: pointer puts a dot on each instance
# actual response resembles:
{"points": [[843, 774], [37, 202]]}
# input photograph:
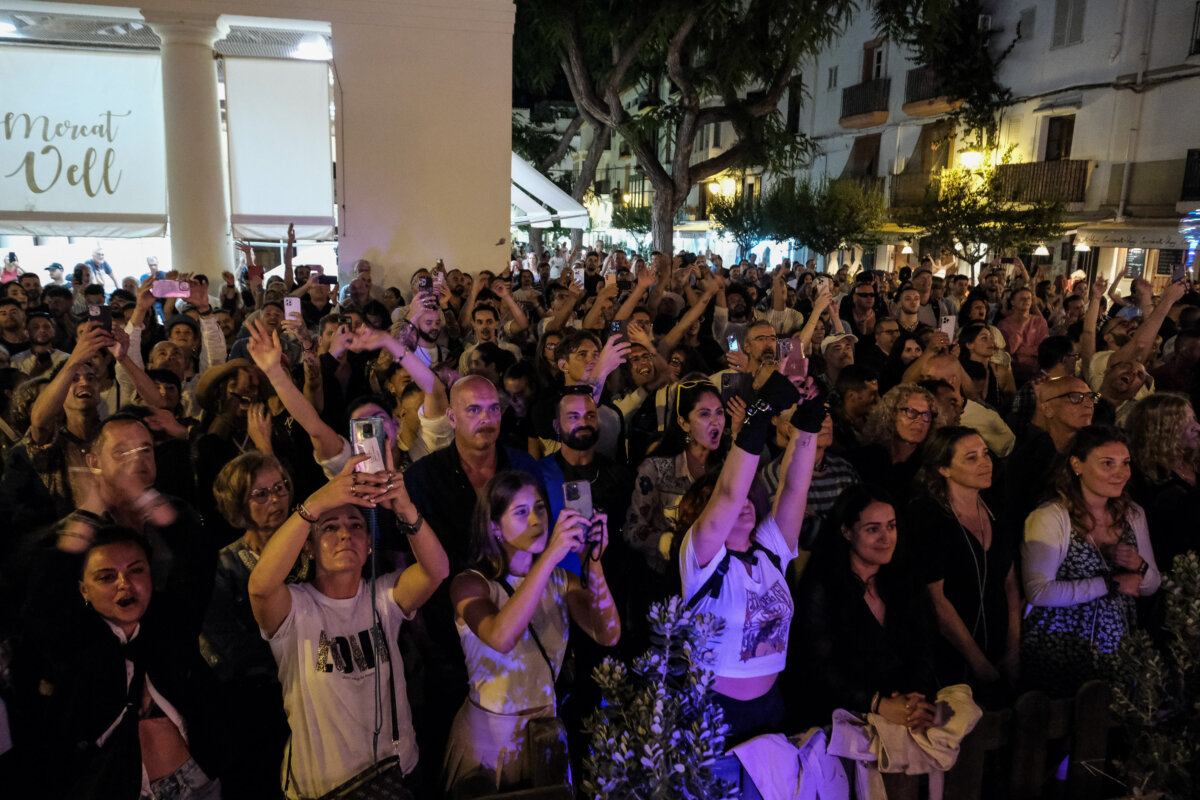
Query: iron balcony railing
{"points": [[1062, 181], [920, 84], [866, 97]]}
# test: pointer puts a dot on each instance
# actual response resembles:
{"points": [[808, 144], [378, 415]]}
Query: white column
{"points": [[197, 176]]}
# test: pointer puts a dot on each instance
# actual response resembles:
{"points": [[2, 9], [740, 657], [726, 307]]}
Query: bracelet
{"points": [[305, 514], [410, 528], [1144, 568], [74, 535], [86, 517]]}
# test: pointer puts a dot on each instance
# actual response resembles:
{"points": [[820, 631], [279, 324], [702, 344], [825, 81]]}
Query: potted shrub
{"points": [[657, 732], [1156, 694]]}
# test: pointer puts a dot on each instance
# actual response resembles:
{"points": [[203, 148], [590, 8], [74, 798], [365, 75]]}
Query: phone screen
{"points": [[368, 436]]}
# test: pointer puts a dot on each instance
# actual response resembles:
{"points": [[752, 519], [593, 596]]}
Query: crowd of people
{"points": [[884, 483]]}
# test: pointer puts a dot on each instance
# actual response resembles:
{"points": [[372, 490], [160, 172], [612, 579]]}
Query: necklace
{"points": [[981, 569]]}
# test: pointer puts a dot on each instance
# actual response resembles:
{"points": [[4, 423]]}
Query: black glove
{"points": [[775, 395], [810, 414]]}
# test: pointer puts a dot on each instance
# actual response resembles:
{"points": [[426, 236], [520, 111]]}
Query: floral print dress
{"points": [[1064, 646]]}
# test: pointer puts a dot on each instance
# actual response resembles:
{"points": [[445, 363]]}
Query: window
{"points": [[716, 134], [1059, 132], [873, 60], [832, 84], [1191, 177], [795, 98], [1068, 22]]}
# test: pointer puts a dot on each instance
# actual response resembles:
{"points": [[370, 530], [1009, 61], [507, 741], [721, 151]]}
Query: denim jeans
{"points": [[749, 718], [186, 783]]}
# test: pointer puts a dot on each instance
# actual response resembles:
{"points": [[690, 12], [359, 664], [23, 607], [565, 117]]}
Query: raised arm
{"points": [[47, 411], [266, 351], [676, 334], [645, 282], [504, 292], [595, 316], [436, 401], [270, 600], [733, 484], [1140, 344], [795, 476], [418, 582], [501, 628]]}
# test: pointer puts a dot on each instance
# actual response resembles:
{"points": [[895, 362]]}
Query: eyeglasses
{"points": [[676, 362], [280, 490], [912, 413], [1075, 398], [864, 294]]}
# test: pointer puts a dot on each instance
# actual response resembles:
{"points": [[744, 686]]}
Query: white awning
{"points": [[539, 203]]}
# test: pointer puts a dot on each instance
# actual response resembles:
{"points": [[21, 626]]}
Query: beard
{"points": [[584, 438]]}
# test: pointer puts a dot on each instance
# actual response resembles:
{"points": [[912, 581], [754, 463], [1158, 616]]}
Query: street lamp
{"points": [[625, 198], [906, 250], [971, 159], [1041, 250], [1082, 248]]}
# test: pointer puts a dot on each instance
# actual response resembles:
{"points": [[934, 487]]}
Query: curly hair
{"points": [[1069, 488], [881, 422], [1155, 428]]}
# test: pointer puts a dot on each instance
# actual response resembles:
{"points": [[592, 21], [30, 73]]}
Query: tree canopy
{"points": [[824, 215]]}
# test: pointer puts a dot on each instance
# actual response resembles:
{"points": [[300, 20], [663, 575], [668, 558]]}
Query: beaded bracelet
{"points": [[305, 514]]}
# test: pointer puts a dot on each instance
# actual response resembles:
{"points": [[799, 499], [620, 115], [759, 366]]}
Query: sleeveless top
{"points": [[512, 682]]}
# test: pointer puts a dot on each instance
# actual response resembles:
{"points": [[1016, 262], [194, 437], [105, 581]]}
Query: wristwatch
{"points": [[1144, 568]]}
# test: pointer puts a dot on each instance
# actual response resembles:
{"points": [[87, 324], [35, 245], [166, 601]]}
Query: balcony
{"points": [[908, 190], [1045, 181], [923, 94], [865, 105]]}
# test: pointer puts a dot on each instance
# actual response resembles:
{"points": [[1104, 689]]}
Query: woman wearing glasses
{"points": [[895, 431], [253, 493], [683, 455], [1086, 556]]}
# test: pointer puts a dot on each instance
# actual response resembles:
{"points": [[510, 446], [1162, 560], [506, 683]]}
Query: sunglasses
{"points": [[688, 385]]}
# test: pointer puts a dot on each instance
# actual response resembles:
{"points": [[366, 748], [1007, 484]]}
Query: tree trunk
{"points": [[576, 238], [535, 244], [662, 217]]}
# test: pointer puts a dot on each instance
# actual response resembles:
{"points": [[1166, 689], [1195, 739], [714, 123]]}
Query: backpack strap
{"points": [[712, 586], [533, 635]]}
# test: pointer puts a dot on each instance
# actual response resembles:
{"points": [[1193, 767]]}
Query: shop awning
{"points": [[538, 202], [1146, 235]]}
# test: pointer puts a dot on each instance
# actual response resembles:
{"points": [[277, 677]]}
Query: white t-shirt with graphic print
{"points": [[327, 657], [756, 605]]}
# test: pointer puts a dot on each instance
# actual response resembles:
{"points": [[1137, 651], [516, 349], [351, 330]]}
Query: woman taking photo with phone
{"points": [[512, 612], [331, 635]]}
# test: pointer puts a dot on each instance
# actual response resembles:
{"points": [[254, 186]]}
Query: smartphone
{"points": [[12, 256], [948, 326], [579, 271], [327, 280], [577, 495], [291, 305], [618, 327], [102, 315], [166, 288], [252, 271], [624, 285], [316, 269], [1180, 273], [368, 436], [734, 384], [792, 362], [732, 341], [425, 283], [610, 279]]}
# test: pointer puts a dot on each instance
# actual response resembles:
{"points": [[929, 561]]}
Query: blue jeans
{"points": [[186, 783], [749, 718]]}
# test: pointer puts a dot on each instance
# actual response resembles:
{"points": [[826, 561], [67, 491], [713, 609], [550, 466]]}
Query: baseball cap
{"points": [[835, 338]]}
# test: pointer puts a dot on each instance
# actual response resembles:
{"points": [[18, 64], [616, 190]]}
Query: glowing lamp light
{"points": [[313, 48], [906, 250], [1082, 248], [958, 246], [1041, 250], [728, 187], [971, 159], [625, 197]]}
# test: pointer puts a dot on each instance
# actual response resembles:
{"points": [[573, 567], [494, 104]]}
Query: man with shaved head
{"points": [[1064, 405]]}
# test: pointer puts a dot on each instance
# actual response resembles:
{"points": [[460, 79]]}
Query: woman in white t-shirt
{"points": [[328, 636], [512, 613], [732, 562]]}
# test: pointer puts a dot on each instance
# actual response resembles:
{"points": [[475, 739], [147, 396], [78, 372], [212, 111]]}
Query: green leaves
{"points": [[659, 733], [824, 216]]}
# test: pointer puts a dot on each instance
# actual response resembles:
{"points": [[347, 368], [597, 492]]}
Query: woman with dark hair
{"points": [[512, 610], [127, 705], [975, 343], [966, 553], [690, 447], [862, 634], [1086, 556], [549, 376], [732, 559], [905, 350], [894, 433], [376, 315], [335, 639]]}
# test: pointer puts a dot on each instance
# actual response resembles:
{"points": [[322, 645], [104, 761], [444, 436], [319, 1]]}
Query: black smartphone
{"points": [[624, 286], [102, 315], [734, 384], [328, 280], [1006, 260], [618, 327], [11, 256]]}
